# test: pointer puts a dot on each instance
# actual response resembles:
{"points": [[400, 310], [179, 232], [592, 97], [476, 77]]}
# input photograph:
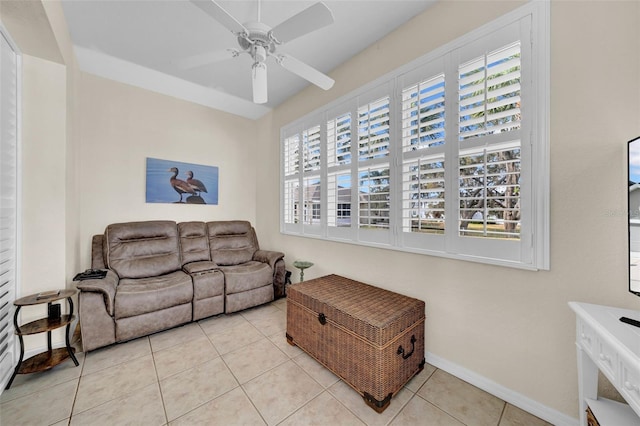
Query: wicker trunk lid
{"points": [[370, 337]]}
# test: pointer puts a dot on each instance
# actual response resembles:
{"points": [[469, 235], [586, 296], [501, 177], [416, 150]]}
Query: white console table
{"points": [[605, 343]]}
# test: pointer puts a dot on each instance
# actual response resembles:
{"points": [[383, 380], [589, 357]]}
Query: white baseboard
{"points": [[548, 414]]}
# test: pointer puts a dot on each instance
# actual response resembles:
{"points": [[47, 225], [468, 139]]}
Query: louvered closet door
{"points": [[8, 204]]}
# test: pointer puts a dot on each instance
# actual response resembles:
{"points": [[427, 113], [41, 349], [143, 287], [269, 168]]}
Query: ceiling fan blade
{"points": [[213, 9], [310, 19], [306, 71], [202, 59], [259, 79]]}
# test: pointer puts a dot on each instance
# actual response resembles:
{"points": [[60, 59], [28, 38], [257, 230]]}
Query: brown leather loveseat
{"points": [[161, 274]]}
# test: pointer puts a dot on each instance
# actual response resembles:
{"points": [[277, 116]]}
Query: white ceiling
{"points": [[142, 42]]}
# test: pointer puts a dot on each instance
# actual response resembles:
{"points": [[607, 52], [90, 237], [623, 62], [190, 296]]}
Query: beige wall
{"points": [[512, 327], [62, 40], [120, 126], [49, 203], [86, 139], [43, 182]]}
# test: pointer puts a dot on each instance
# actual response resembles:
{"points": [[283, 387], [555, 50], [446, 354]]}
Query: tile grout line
{"points": [[236, 379], [502, 413], [75, 396], [155, 368]]}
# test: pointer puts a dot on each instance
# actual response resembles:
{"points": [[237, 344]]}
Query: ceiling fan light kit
{"points": [[261, 41], [259, 78]]}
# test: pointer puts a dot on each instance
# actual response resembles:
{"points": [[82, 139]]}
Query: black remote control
{"points": [[630, 321]]}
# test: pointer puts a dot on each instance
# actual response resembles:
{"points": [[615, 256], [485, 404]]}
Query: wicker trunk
{"points": [[371, 338]]}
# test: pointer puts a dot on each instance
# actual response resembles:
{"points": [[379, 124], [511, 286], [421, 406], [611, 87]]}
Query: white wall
{"points": [[509, 326]]}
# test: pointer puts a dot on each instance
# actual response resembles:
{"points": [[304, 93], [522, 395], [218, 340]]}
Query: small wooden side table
{"points": [[52, 357]]}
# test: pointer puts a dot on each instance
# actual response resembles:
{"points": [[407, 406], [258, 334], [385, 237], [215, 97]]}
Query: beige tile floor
{"points": [[233, 370]]}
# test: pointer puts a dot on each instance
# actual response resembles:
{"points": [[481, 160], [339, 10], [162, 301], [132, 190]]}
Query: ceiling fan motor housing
{"points": [[257, 35], [258, 40]]}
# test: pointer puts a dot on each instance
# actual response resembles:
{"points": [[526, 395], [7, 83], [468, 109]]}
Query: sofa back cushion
{"points": [[231, 242], [97, 252], [143, 249], [194, 242]]}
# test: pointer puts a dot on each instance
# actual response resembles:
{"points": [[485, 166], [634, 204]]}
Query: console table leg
{"points": [[67, 338], [587, 383], [69, 348], [15, 372]]}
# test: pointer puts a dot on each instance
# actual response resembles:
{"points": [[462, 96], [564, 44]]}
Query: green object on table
{"points": [[302, 265]]}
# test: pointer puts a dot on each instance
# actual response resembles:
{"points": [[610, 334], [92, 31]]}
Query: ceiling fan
{"points": [[261, 41]]}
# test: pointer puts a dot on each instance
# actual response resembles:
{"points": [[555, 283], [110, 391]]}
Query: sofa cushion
{"points": [[231, 242], [144, 295], [250, 275], [208, 284], [143, 249], [194, 243]]}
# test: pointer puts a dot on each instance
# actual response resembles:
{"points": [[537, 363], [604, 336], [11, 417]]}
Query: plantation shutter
{"points": [[311, 180], [423, 195], [8, 202], [291, 160], [493, 193], [423, 114], [339, 193], [490, 93], [311, 149], [373, 171], [374, 197], [446, 155], [423, 156], [489, 137], [373, 130]]}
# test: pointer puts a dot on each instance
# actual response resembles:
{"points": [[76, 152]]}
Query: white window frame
{"points": [[530, 23], [8, 293]]}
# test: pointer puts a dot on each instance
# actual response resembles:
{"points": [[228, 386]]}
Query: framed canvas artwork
{"points": [[181, 183]]}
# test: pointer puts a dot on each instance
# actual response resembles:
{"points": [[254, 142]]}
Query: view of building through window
{"points": [[428, 159]]}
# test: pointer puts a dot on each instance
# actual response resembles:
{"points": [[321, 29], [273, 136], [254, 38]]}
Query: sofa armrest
{"points": [[267, 256], [107, 286]]}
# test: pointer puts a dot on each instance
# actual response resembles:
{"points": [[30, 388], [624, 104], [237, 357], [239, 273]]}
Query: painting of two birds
{"points": [[181, 183]]}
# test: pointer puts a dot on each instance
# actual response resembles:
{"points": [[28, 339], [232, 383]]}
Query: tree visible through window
{"points": [[445, 156], [489, 184]]}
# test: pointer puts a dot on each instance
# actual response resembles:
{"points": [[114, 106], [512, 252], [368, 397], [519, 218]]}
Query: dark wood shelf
{"points": [[44, 360], [52, 357], [44, 324], [37, 299]]}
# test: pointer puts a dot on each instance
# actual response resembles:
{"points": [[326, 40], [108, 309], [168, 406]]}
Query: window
{"points": [[489, 105], [374, 179], [9, 98], [446, 156], [339, 194], [423, 155]]}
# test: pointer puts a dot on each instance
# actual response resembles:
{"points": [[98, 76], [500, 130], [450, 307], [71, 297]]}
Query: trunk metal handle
{"points": [[413, 347], [322, 318]]}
